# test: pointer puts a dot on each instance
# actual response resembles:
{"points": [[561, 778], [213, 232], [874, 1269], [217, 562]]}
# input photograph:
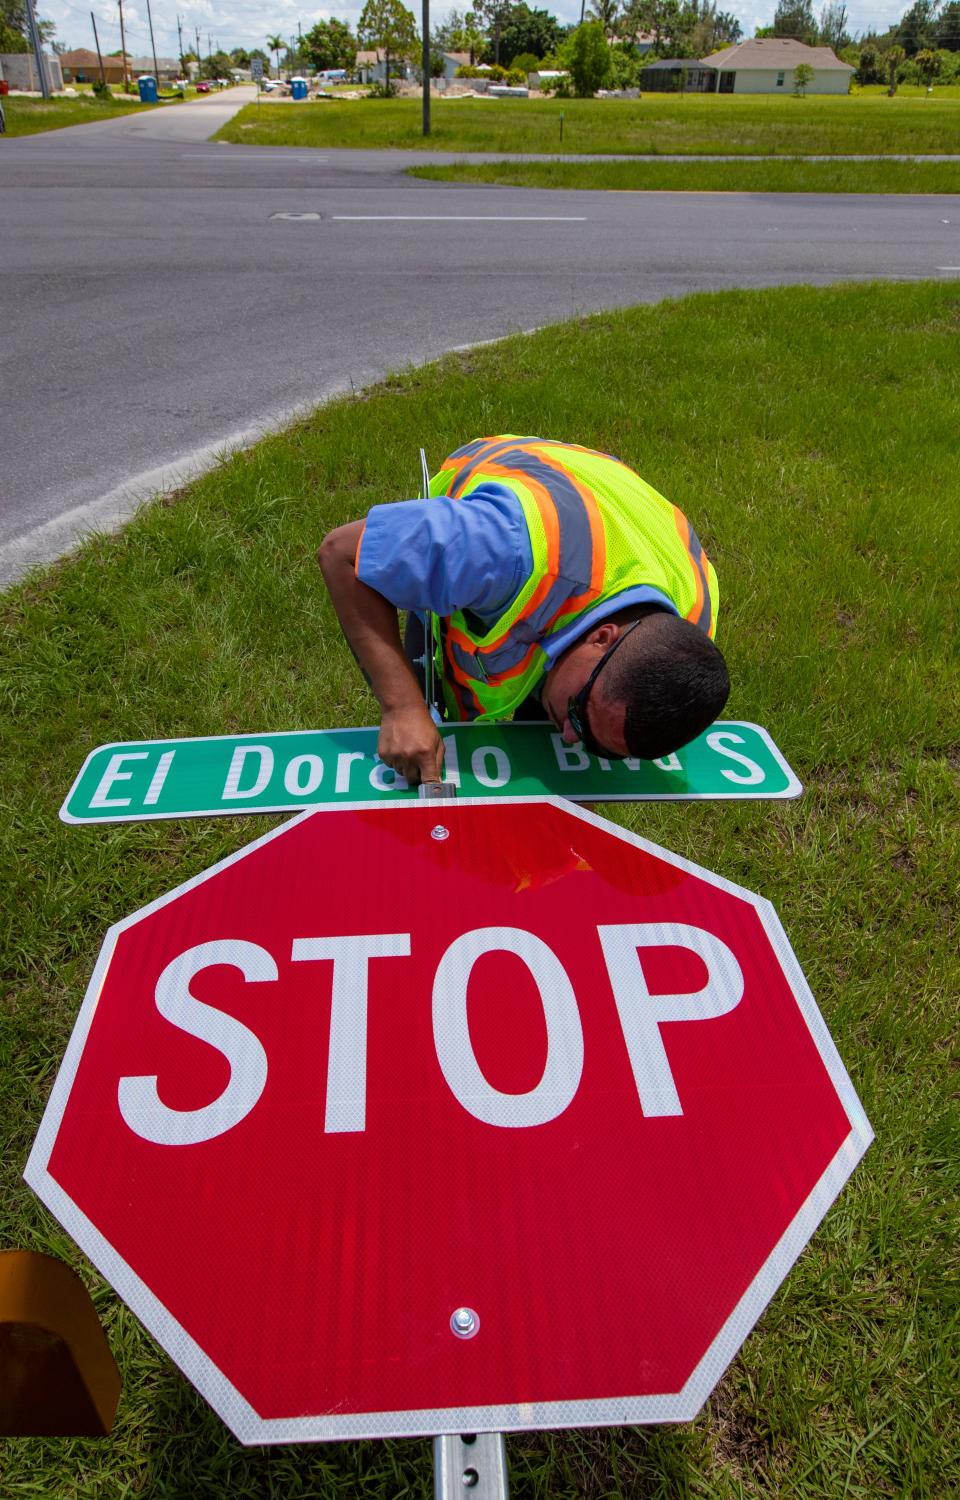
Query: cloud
{"points": [[244, 23]]}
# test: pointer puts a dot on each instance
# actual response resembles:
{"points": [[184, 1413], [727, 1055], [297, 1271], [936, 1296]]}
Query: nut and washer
{"points": [[439, 832], [465, 1322]]}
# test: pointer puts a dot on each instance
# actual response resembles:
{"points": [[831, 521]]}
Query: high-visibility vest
{"points": [[595, 529]]}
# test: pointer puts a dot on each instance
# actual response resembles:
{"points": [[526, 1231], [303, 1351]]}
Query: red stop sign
{"points": [[463, 1116]]}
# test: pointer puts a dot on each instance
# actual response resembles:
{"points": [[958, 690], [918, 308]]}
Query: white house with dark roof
{"points": [[765, 65]]}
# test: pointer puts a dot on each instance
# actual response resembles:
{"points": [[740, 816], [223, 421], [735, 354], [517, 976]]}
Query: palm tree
{"points": [[275, 43], [895, 57]]}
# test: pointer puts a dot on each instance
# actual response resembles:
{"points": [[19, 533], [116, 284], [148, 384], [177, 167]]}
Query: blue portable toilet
{"points": [[298, 88], [148, 90]]}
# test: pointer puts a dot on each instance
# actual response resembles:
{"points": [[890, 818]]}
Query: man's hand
{"points": [[410, 743]]}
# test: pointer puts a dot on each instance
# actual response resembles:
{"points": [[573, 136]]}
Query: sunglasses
{"points": [[577, 706]]}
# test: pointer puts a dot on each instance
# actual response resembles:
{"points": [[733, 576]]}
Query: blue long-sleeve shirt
{"points": [[474, 554]]}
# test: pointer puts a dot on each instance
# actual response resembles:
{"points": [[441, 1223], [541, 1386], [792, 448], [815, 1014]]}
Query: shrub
{"points": [[526, 63], [101, 89], [517, 78]]}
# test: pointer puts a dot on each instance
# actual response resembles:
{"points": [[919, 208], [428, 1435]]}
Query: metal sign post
{"points": [[476, 1464]]}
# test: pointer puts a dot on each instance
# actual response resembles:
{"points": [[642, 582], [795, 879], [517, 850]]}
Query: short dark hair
{"points": [[673, 680]]}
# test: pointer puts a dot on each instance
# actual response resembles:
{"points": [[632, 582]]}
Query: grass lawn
{"points": [[810, 435], [712, 177], [661, 124], [28, 116]]}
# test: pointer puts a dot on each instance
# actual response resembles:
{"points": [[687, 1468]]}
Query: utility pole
{"points": [[96, 39], [183, 66], [123, 50], [153, 46], [38, 50], [426, 67]]}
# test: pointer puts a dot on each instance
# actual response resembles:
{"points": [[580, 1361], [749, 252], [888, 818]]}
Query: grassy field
{"points": [[810, 435], [28, 116], [660, 124], [707, 177]]}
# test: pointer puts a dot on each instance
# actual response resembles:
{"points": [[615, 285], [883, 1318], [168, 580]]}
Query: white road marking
{"points": [[294, 216], [471, 218], [250, 156], [948, 268]]}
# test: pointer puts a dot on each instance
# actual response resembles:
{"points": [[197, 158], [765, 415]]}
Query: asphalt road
{"points": [[163, 297]]}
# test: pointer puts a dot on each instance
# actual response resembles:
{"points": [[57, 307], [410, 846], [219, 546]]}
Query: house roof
{"points": [[82, 57], [776, 52], [678, 62], [462, 59], [145, 64], [367, 58]]}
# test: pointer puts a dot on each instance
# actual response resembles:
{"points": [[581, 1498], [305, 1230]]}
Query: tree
{"points": [[461, 33], [14, 31], [607, 12], [240, 57], [586, 56], [526, 30], [670, 24], [390, 28], [948, 27], [833, 25], [494, 15], [275, 43], [711, 29], [331, 44], [917, 29], [216, 65], [928, 65], [802, 75], [794, 18], [894, 57]]}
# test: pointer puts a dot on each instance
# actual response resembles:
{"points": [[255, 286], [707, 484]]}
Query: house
{"points": [[371, 66], [765, 65], [167, 68], [452, 61], [81, 66]]}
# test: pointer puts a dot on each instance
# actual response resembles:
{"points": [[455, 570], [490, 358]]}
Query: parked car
{"points": [[203, 87]]}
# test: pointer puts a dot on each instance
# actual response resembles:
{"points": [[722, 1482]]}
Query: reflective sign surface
{"points": [[448, 1116], [306, 768]]}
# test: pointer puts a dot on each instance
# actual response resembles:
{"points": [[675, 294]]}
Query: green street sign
{"points": [[261, 773]]}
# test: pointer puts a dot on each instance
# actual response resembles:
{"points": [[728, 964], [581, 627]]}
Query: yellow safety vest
{"points": [[596, 528]]}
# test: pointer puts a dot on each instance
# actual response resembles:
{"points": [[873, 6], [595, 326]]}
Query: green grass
{"points": [[811, 436], [660, 124], [28, 116], [707, 177]]}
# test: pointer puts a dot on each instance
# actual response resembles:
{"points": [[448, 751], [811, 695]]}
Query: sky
{"points": [[241, 23]]}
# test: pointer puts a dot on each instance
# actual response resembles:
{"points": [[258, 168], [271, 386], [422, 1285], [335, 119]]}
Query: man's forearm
{"points": [[409, 741], [368, 620]]}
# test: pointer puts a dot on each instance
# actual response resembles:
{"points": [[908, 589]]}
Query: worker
{"points": [[559, 585]]}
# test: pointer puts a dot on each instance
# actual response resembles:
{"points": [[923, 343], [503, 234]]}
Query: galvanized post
{"points": [[474, 1465]]}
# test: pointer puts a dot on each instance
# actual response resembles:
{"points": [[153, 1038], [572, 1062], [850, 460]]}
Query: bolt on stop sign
{"points": [[451, 1117]]}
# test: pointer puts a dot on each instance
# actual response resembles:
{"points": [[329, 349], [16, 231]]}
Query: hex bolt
{"points": [[465, 1322], [439, 832]]}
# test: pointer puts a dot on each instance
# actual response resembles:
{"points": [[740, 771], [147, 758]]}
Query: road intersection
{"points": [[165, 298]]}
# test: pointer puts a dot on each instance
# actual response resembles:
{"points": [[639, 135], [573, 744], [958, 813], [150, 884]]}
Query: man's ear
{"points": [[604, 634]]}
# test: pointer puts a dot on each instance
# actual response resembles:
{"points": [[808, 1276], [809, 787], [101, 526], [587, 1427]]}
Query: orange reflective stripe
{"points": [[685, 533]]}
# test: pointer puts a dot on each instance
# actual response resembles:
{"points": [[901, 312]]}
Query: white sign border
{"points": [[237, 1413]]}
